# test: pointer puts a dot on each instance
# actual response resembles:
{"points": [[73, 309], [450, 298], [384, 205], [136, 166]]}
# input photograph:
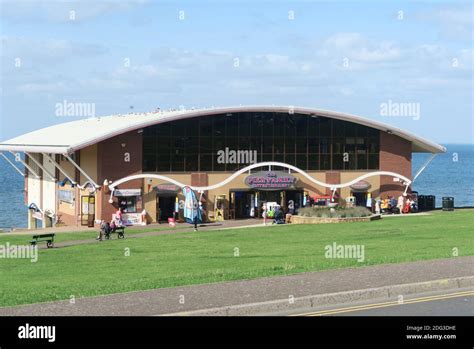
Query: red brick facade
{"points": [[111, 165], [395, 156], [333, 177]]}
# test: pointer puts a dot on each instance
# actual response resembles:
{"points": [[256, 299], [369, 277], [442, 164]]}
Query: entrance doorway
{"points": [[87, 210], [164, 207], [243, 202], [360, 198]]}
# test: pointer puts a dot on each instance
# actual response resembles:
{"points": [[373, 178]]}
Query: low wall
{"points": [[319, 220]]}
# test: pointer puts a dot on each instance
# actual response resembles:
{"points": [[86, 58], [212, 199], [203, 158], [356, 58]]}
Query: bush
{"points": [[338, 212]]}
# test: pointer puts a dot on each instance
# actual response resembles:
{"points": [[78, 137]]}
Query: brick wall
{"points": [[333, 177], [111, 165], [395, 156]]}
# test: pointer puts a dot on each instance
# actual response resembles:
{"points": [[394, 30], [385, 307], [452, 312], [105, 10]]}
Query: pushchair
{"points": [[278, 217]]}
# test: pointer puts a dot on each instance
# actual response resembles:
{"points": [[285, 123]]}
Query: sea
{"points": [[448, 174]]}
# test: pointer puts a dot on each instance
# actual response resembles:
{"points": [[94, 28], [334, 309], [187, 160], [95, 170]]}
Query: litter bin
{"points": [[421, 202], [430, 202], [448, 203]]}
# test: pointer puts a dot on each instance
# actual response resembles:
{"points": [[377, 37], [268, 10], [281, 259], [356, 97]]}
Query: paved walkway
{"points": [[179, 299]]}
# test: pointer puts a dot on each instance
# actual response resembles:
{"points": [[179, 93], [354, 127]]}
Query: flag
{"points": [[191, 206]]}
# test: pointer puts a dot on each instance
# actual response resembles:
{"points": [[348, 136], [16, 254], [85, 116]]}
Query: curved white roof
{"points": [[71, 136]]}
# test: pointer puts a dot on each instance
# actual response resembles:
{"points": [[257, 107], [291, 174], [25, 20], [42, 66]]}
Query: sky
{"points": [[138, 55]]}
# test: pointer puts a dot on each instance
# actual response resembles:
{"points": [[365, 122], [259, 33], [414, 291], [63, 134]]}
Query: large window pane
{"points": [[313, 127], [279, 125], [361, 161], [325, 127], [313, 161], [338, 128], [337, 161], [301, 145], [374, 161], [205, 162], [325, 162], [232, 125], [205, 126], [219, 125], [301, 126], [191, 162], [244, 124], [302, 161], [177, 163]]}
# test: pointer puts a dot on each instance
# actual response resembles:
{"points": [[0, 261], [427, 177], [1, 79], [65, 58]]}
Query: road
{"points": [[433, 304]]}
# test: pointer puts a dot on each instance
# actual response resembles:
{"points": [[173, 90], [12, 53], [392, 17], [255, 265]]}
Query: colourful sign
{"points": [[271, 180]]}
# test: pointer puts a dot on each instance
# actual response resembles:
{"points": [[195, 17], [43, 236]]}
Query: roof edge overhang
{"points": [[419, 144], [28, 148]]}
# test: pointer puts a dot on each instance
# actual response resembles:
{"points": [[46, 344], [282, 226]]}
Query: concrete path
{"points": [[190, 298]]}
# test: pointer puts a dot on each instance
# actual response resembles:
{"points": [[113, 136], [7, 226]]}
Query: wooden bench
{"points": [[120, 233], [48, 238]]}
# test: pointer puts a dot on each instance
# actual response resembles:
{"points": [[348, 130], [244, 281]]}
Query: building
{"points": [[237, 157]]}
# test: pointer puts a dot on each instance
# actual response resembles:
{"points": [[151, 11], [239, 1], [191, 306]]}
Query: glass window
{"points": [[373, 146], [232, 143], [177, 163], [313, 145], [279, 145], [244, 124], [350, 129], [279, 157], [301, 126], [302, 161], [325, 127], [373, 161], [337, 161], [128, 204], [232, 125], [361, 161], [351, 164], [256, 126], [279, 125], [163, 129], [267, 145], [313, 161], [178, 128], [205, 163], [267, 125], [163, 162], [325, 163], [205, 145], [338, 128], [219, 125], [313, 127], [205, 126], [301, 145], [191, 162], [290, 159]]}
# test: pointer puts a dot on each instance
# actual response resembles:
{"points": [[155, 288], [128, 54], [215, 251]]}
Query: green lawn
{"points": [[187, 258], [81, 235]]}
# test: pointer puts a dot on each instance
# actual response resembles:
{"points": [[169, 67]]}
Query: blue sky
{"points": [[191, 62]]}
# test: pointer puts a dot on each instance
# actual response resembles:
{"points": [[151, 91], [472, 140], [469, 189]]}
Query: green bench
{"points": [[120, 233], [48, 238]]}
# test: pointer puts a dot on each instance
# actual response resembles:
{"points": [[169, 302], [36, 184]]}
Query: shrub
{"points": [[338, 212]]}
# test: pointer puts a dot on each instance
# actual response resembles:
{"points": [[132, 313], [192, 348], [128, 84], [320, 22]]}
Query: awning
{"points": [[360, 186], [167, 188]]}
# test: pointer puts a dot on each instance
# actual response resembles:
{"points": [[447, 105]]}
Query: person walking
{"points": [[400, 203]]}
